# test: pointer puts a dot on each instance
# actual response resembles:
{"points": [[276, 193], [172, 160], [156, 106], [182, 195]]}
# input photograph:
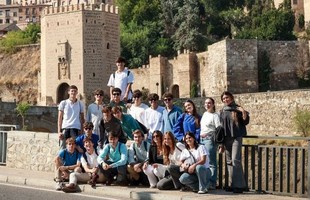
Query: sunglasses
{"points": [[168, 99], [154, 136], [88, 128], [153, 100], [116, 94], [99, 95]]}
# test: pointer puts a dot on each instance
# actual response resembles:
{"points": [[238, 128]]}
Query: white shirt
{"points": [[208, 123], [121, 80], [91, 160], [137, 112], [71, 113], [197, 154], [175, 157], [154, 120], [94, 115]]}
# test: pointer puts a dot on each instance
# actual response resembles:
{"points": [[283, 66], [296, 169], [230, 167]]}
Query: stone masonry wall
{"points": [[31, 150]]}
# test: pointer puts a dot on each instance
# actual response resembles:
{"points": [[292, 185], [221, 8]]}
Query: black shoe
{"points": [[70, 188], [229, 189], [238, 190]]}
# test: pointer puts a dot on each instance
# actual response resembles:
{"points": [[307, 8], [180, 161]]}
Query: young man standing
{"points": [[137, 155], [115, 165], [91, 172], [70, 117], [137, 109], [153, 116], [171, 113], [116, 100], [66, 162], [94, 111], [122, 78]]}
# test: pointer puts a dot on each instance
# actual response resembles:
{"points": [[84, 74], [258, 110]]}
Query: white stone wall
{"points": [[31, 150]]}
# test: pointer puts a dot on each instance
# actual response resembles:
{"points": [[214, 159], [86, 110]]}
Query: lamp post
{"points": [[157, 84]]}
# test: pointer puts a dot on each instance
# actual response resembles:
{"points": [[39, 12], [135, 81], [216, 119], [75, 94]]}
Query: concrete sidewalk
{"points": [[45, 180]]}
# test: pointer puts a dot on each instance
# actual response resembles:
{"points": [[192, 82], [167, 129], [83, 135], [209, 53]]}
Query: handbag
{"points": [[219, 135], [188, 162]]}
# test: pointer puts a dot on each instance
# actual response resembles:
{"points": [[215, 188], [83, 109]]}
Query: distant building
{"points": [[4, 28]]}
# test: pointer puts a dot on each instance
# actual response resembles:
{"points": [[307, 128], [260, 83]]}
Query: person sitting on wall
{"points": [[112, 160], [90, 172], [66, 162], [137, 156], [88, 130]]}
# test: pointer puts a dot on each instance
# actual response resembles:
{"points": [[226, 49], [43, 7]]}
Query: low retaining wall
{"points": [[31, 150]]}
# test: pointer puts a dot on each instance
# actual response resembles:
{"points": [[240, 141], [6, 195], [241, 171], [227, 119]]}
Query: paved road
{"points": [[17, 192]]}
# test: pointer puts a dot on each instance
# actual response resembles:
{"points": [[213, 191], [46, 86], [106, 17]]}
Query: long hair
{"points": [[233, 113], [213, 102], [192, 136], [166, 148], [160, 136], [195, 113]]}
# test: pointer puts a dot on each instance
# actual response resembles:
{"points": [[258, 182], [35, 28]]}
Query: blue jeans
{"points": [[212, 149], [198, 180]]}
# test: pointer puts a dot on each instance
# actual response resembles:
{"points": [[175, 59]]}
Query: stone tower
{"points": [[79, 45]]}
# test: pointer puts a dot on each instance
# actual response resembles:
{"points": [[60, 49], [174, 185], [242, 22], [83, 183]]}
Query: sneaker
{"points": [[59, 186], [203, 191], [152, 186]]}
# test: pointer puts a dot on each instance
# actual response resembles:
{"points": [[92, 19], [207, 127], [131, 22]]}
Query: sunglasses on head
{"points": [[167, 99], [116, 94]]}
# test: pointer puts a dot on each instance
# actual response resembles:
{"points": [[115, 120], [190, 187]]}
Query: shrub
{"points": [[302, 122]]}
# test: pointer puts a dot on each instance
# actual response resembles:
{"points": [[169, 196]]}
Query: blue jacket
{"points": [[170, 118], [186, 123]]}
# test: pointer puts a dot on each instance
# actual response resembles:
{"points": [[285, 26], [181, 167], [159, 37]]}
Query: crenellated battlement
{"points": [[81, 7]]}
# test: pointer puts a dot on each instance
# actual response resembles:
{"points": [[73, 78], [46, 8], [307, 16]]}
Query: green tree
{"points": [[188, 34], [15, 38], [22, 109], [302, 122]]}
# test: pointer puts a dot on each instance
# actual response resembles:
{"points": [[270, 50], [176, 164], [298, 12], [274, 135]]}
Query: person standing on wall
{"points": [[122, 78], [70, 117], [234, 120], [171, 112], [209, 122]]}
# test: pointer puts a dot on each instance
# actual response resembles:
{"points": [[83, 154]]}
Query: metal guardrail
{"points": [[3, 140], [273, 169]]}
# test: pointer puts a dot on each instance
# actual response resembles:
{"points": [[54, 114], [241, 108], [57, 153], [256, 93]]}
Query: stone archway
{"points": [[175, 91], [62, 92]]}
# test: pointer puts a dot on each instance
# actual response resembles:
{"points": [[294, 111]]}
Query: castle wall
{"points": [[283, 57], [213, 67], [242, 72]]}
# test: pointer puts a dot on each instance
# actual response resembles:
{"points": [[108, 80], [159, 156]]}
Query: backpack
{"points": [[128, 72]]}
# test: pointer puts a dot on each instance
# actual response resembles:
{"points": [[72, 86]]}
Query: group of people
{"points": [[132, 143]]}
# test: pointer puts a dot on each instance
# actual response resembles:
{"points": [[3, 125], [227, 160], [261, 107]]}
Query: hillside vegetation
{"points": [[19, 74]]}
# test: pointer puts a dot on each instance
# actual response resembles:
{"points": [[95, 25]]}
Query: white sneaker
{"points": [[59, 186], [152, 186], [203, 191]]}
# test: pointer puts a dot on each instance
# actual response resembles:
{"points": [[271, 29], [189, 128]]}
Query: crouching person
{"points": [[112, 160], [89, 173], [66, 162], [137, 155]]}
